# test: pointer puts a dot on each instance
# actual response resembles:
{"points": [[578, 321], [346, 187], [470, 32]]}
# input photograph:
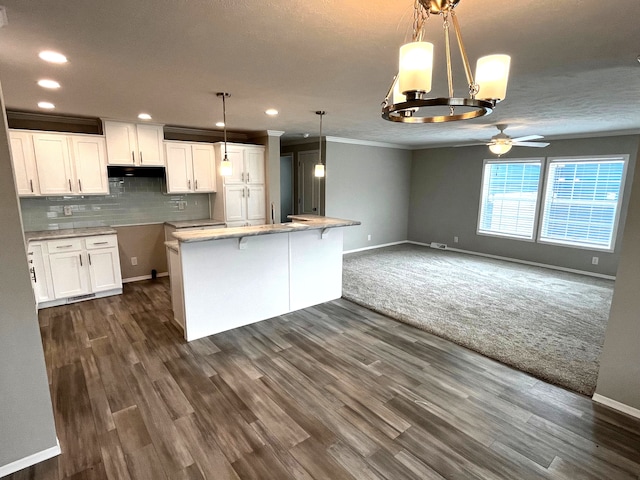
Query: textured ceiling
{"points": [[574, 68]]}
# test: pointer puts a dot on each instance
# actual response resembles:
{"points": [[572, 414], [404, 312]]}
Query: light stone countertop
{"points": [[205, 222], [68, 233], [300, 222]]}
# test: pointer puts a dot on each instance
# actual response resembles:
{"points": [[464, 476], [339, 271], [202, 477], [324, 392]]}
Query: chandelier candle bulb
{"points": [[416, 67], [492, 76]]}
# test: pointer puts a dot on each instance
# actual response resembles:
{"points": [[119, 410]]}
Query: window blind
{"points": [[582, 201], [509, 198]]}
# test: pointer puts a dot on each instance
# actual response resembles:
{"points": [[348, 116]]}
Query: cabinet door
{"points": [[254, 166], [40, 281], [104, 269], [204, 173], [53, 164], [179, 168], [150, 152], [69, 274], [24, 164], [235, 203], [236, 157], [256, 208], [121, 143], [90, 161]]}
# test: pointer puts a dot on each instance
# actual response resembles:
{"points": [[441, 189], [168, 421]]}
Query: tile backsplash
{"points": [[131, 201]]}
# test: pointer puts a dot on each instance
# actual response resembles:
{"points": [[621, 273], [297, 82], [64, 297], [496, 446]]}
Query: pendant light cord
{"points": [[224, 120]]}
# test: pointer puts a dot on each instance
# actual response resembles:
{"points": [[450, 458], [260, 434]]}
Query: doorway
{"points": [[309, 187], [286, 187]]}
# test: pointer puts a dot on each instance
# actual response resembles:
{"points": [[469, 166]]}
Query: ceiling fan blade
{"points": [[527, 138], [531, 144]]}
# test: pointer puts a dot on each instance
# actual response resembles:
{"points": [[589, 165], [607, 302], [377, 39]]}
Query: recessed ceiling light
{"points": [[52, 57], [46, 105], [144, 116], [272, 112], [44, 83], [220, 124]]}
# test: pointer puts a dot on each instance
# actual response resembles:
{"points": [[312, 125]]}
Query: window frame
{"points": [[534, 233], [616, 222]]}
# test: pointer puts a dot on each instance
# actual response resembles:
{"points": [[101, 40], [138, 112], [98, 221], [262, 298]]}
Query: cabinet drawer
{"points": [[102, 241], [64, 245]]}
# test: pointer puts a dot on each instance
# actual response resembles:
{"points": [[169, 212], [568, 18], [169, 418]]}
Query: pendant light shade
{"points": [[416, 67], [492, 76], [500, 147], [226, 168], [319, 170]]}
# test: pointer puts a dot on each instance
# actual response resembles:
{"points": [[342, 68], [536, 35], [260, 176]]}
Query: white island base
{"points": [[223, 283]]}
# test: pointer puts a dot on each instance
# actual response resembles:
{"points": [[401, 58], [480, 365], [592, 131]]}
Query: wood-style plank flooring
{"points": [[330, 392]]}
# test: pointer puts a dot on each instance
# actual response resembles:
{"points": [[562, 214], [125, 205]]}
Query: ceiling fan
{"points": [[501, 143]]}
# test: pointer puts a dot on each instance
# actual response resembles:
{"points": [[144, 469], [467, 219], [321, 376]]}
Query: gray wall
{"points": [[619, 377], [369, 184], [445, 195], [26, 416]]}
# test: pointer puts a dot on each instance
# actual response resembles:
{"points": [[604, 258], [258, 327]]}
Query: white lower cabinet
{"points": [[73, 269]]}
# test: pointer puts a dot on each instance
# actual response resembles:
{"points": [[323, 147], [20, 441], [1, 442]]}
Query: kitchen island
{"points": [[227, 278]]}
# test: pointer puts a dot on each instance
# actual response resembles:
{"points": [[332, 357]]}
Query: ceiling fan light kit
{"points": [[502, 143], [407, 100]]}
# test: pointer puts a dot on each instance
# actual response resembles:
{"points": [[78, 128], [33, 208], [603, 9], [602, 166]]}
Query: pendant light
{"points": [[319, 170], [225, 165]]}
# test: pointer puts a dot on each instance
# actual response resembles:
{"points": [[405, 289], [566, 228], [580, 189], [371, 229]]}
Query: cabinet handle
{"points": [[248, 192], [243, 176], [80, 184], [243, 193], [70, 186], [64, 246], [140, 157], [33, 271], [99, 243], [31, 185], [133, 157], [80, 255], [89, 255], [248, 177], [196, 183], [189, 184]]}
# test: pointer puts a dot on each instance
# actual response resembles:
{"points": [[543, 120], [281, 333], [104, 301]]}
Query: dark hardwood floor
{"points": [[330, 392]]}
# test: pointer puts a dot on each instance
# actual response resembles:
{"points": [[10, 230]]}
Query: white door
{"points": [[150, 152], [236, 157], [256, 208], [39, 279], [204, 174], [54, 164], [235, 203], [121, 143], [307, 183], [24, 164], [69, 274], [179, 168], [254, 166], [104, 269], [91, 165]]}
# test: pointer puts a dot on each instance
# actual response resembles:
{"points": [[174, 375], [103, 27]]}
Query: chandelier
{"points": [[407, 100]]}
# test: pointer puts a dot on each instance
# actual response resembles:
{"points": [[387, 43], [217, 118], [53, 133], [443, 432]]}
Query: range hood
{"points": [[124, 171]]}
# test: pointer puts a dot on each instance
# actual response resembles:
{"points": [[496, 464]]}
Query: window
{"points": [[508, 205], [582, 201]]}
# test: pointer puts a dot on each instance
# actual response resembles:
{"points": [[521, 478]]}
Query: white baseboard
{"points": [[621, 407], [144, 277], [26, 462], [524, 262], [374, 247]]}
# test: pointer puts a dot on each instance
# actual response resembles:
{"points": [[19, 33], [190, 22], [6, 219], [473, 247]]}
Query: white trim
{"points": [[525, 262], [619, 406], [275, 133], [375, 247], [30, 460], [143, 277], [368, 143]]}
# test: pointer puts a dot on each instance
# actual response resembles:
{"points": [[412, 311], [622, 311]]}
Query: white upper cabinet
{"points": [[235, 154], [190, 167], [89, 158], [24, 164], [254, 165], [53, 162], [134, 144]]}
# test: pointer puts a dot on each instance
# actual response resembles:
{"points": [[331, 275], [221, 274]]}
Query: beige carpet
{"points": [[545, 322]]}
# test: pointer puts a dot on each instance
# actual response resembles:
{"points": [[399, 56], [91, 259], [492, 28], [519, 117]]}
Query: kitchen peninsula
{"points": [[226, 278]]}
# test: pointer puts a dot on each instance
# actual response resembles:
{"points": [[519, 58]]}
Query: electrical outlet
{"points": [[595, 260], [455, 239], [181, 205], [134, 261], [369, 237], [68, 211]]}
